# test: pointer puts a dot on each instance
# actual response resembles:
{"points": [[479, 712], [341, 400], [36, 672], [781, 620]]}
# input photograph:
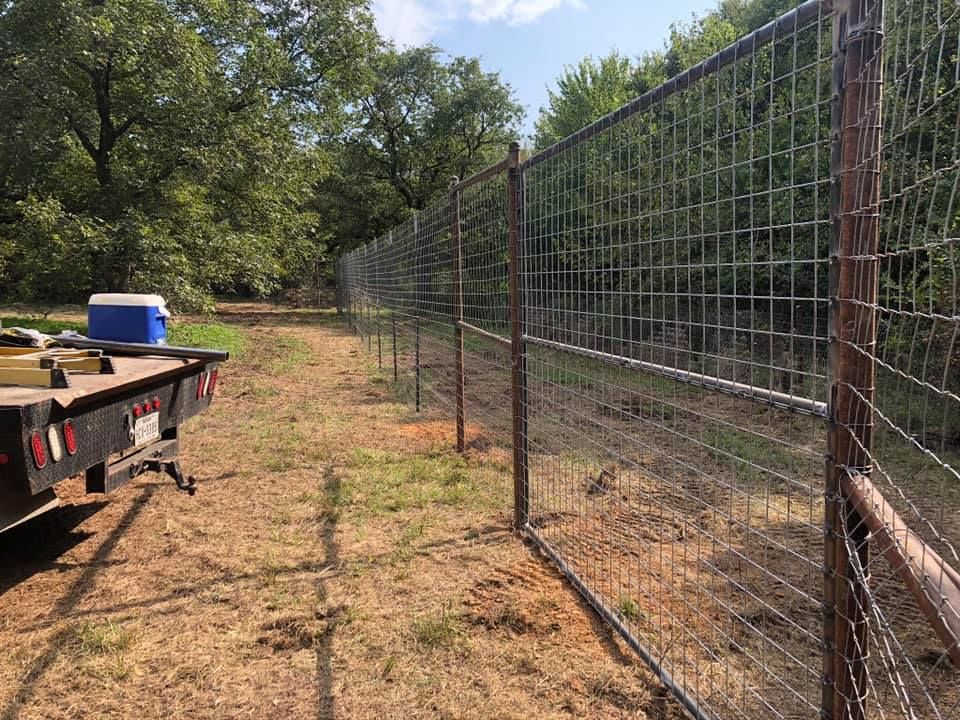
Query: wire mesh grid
{"points": [[484, 255], [675, 276], [744, 272]]}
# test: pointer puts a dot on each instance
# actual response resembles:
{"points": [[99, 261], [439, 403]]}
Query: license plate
{"points": [[146, 429]]}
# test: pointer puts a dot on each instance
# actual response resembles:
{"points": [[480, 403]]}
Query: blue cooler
{"points": [[127, 318]]}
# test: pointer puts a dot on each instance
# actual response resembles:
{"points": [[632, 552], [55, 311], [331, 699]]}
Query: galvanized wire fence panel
{"points": [[718, 332], [675, 276]]}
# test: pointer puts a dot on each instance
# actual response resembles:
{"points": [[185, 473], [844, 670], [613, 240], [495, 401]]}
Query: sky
{"points": [[530, 41]]}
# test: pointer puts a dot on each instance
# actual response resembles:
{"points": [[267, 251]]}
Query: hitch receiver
{"points": [[160, 456]]}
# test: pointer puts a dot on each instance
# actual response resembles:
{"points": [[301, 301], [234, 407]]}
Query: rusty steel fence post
{"points": [[416, 355], [518, 364], [458, 309], [393, 332], [854, 267]]}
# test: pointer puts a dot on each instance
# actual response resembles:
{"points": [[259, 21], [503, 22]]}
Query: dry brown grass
{"points": [[336, 563]]}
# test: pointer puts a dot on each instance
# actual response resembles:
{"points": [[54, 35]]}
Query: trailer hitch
{"points": [[187, 484], [160, 457]]}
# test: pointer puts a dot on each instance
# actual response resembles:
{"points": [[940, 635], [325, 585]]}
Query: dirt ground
{"points": [[338, 562]]}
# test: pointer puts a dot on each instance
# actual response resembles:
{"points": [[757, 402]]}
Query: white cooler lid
{"points": [[130, 300]]}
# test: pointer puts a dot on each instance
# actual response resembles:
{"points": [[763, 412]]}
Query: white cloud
{"points": [[407, 22], [516, 12], [414, 22]]}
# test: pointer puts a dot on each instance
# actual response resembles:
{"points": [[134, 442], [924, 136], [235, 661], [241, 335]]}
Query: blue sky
{"points": [[530, 41]]}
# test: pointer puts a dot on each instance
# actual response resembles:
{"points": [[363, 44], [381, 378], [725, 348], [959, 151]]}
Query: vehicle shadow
{"points": [[67, 603], [37, 545]]}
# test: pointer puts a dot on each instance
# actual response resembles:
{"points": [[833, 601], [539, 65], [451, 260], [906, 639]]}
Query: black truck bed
{"points": [[122, 424]]}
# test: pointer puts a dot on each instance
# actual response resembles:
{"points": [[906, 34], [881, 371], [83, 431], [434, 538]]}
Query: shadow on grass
{"points": [[326, 707], [73, 595], [37, 545]]}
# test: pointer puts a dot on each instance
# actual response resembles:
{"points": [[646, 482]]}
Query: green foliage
{"points": [[422, 121], [584, 93], [169, 146]]}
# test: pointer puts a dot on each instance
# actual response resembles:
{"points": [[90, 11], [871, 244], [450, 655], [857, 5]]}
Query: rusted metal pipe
{"points": [[934, 584], [457, 244], [518, 364], [854, 268]]}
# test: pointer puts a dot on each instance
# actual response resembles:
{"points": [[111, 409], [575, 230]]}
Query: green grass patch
{"points": [[755, 457], [437, 631], [102, 639], [202, 335], [215, 336], [289, 352], [383, 482], [283, 446], [628, 608], [43, 324]]}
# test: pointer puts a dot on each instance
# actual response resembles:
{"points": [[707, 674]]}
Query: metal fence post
{"points": [[416, 354], [518, 374], [855, 194], [417, 308], [393, 332], [458, 308]]}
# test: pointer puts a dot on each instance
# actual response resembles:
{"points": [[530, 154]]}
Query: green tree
{"points": [[585, 92], [423, 121], [168, 145]]}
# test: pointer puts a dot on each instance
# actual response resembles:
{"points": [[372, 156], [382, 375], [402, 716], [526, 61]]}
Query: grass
{"points": [[442, 630], [207, 335], [290, 352], [628, 608], [103, 639], [43, 324], [755, 456], [385, 482], [187, 334]]}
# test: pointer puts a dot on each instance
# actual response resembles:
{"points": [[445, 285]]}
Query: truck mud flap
{"points": [[17, 508]]}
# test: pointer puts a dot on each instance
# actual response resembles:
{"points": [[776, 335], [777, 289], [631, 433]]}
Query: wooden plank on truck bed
{"points": [[130, 372]]}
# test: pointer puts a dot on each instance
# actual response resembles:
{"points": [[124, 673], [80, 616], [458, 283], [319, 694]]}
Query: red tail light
{"points": [[156, 403], [69, 437], [201, 385], [137, 410], [213, 381], [39, 453]]}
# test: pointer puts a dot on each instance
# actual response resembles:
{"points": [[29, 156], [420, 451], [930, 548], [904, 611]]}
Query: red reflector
{"points": [[137, 410], [156, 403], [213, 381], [39, 453], [4, 458], [201, 382], [69, 437]]}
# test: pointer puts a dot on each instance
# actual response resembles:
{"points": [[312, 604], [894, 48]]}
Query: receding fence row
{"points": [[713, 339]]}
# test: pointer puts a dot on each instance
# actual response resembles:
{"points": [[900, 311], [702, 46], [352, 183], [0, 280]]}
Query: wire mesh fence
{"points": [[717, 333]]}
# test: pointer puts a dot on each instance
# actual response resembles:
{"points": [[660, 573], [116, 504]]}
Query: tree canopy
{"points": [[195, 147]]}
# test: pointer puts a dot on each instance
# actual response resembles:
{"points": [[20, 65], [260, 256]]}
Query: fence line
{"points": [[714, 340]]}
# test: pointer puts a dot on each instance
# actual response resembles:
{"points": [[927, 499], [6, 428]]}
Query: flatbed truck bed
{"points": [[108, 427]]}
